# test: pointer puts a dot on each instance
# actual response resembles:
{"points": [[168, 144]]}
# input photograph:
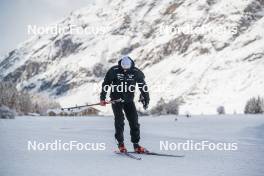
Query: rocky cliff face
{"points": [[210, 53]]}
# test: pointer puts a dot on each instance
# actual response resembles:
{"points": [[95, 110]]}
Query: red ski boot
{"points": [[139, 149], [122, 148]]}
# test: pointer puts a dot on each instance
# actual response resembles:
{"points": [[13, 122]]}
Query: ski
{"points": [[156, 154], [128, 154]]}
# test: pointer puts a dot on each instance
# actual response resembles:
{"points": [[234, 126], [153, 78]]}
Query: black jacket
{"points": [[117, 76]]}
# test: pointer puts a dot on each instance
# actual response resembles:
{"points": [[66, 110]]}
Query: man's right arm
{"points": [[106, 84]]}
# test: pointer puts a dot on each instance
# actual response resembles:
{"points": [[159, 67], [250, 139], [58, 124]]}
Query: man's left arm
{"points": [[144, 96]]}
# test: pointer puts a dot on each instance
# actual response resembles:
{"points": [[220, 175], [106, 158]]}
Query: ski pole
{"points": [[79, 107]]}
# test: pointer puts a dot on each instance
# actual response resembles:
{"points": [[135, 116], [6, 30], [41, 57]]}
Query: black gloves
{"points": [[144, 101]]}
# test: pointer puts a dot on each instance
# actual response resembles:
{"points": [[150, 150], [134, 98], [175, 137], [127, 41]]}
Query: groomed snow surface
{"points": [[246, 131]]}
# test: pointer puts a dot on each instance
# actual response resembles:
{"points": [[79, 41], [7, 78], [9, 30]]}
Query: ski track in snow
{"points": [[247, 131]]}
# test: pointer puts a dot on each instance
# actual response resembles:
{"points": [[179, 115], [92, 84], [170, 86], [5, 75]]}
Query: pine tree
{"points": [[254, 106]]}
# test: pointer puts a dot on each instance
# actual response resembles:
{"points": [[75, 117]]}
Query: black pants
{"points": [[131, 114]]}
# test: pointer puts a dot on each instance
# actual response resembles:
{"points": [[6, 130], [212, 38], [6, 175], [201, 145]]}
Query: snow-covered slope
{"points": [[221, 64], [246, 131]]}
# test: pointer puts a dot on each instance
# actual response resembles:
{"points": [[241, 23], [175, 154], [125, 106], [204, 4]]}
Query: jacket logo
{"points": [[120, 76], [130, 76]]}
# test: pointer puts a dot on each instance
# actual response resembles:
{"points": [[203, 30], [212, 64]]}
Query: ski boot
{"points": [[122, 148], [139, 149]]}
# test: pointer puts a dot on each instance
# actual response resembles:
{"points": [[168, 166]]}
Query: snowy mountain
{"points": [[208, 52]]}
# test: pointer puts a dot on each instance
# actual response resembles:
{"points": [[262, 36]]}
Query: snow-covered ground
{"points": [[246, 131]]}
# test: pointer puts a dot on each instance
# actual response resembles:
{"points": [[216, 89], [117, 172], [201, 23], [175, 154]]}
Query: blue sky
{"points": [[16, 15]]}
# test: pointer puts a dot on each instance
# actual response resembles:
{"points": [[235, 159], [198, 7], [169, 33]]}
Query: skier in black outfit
{"points": [[122, 79]]}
